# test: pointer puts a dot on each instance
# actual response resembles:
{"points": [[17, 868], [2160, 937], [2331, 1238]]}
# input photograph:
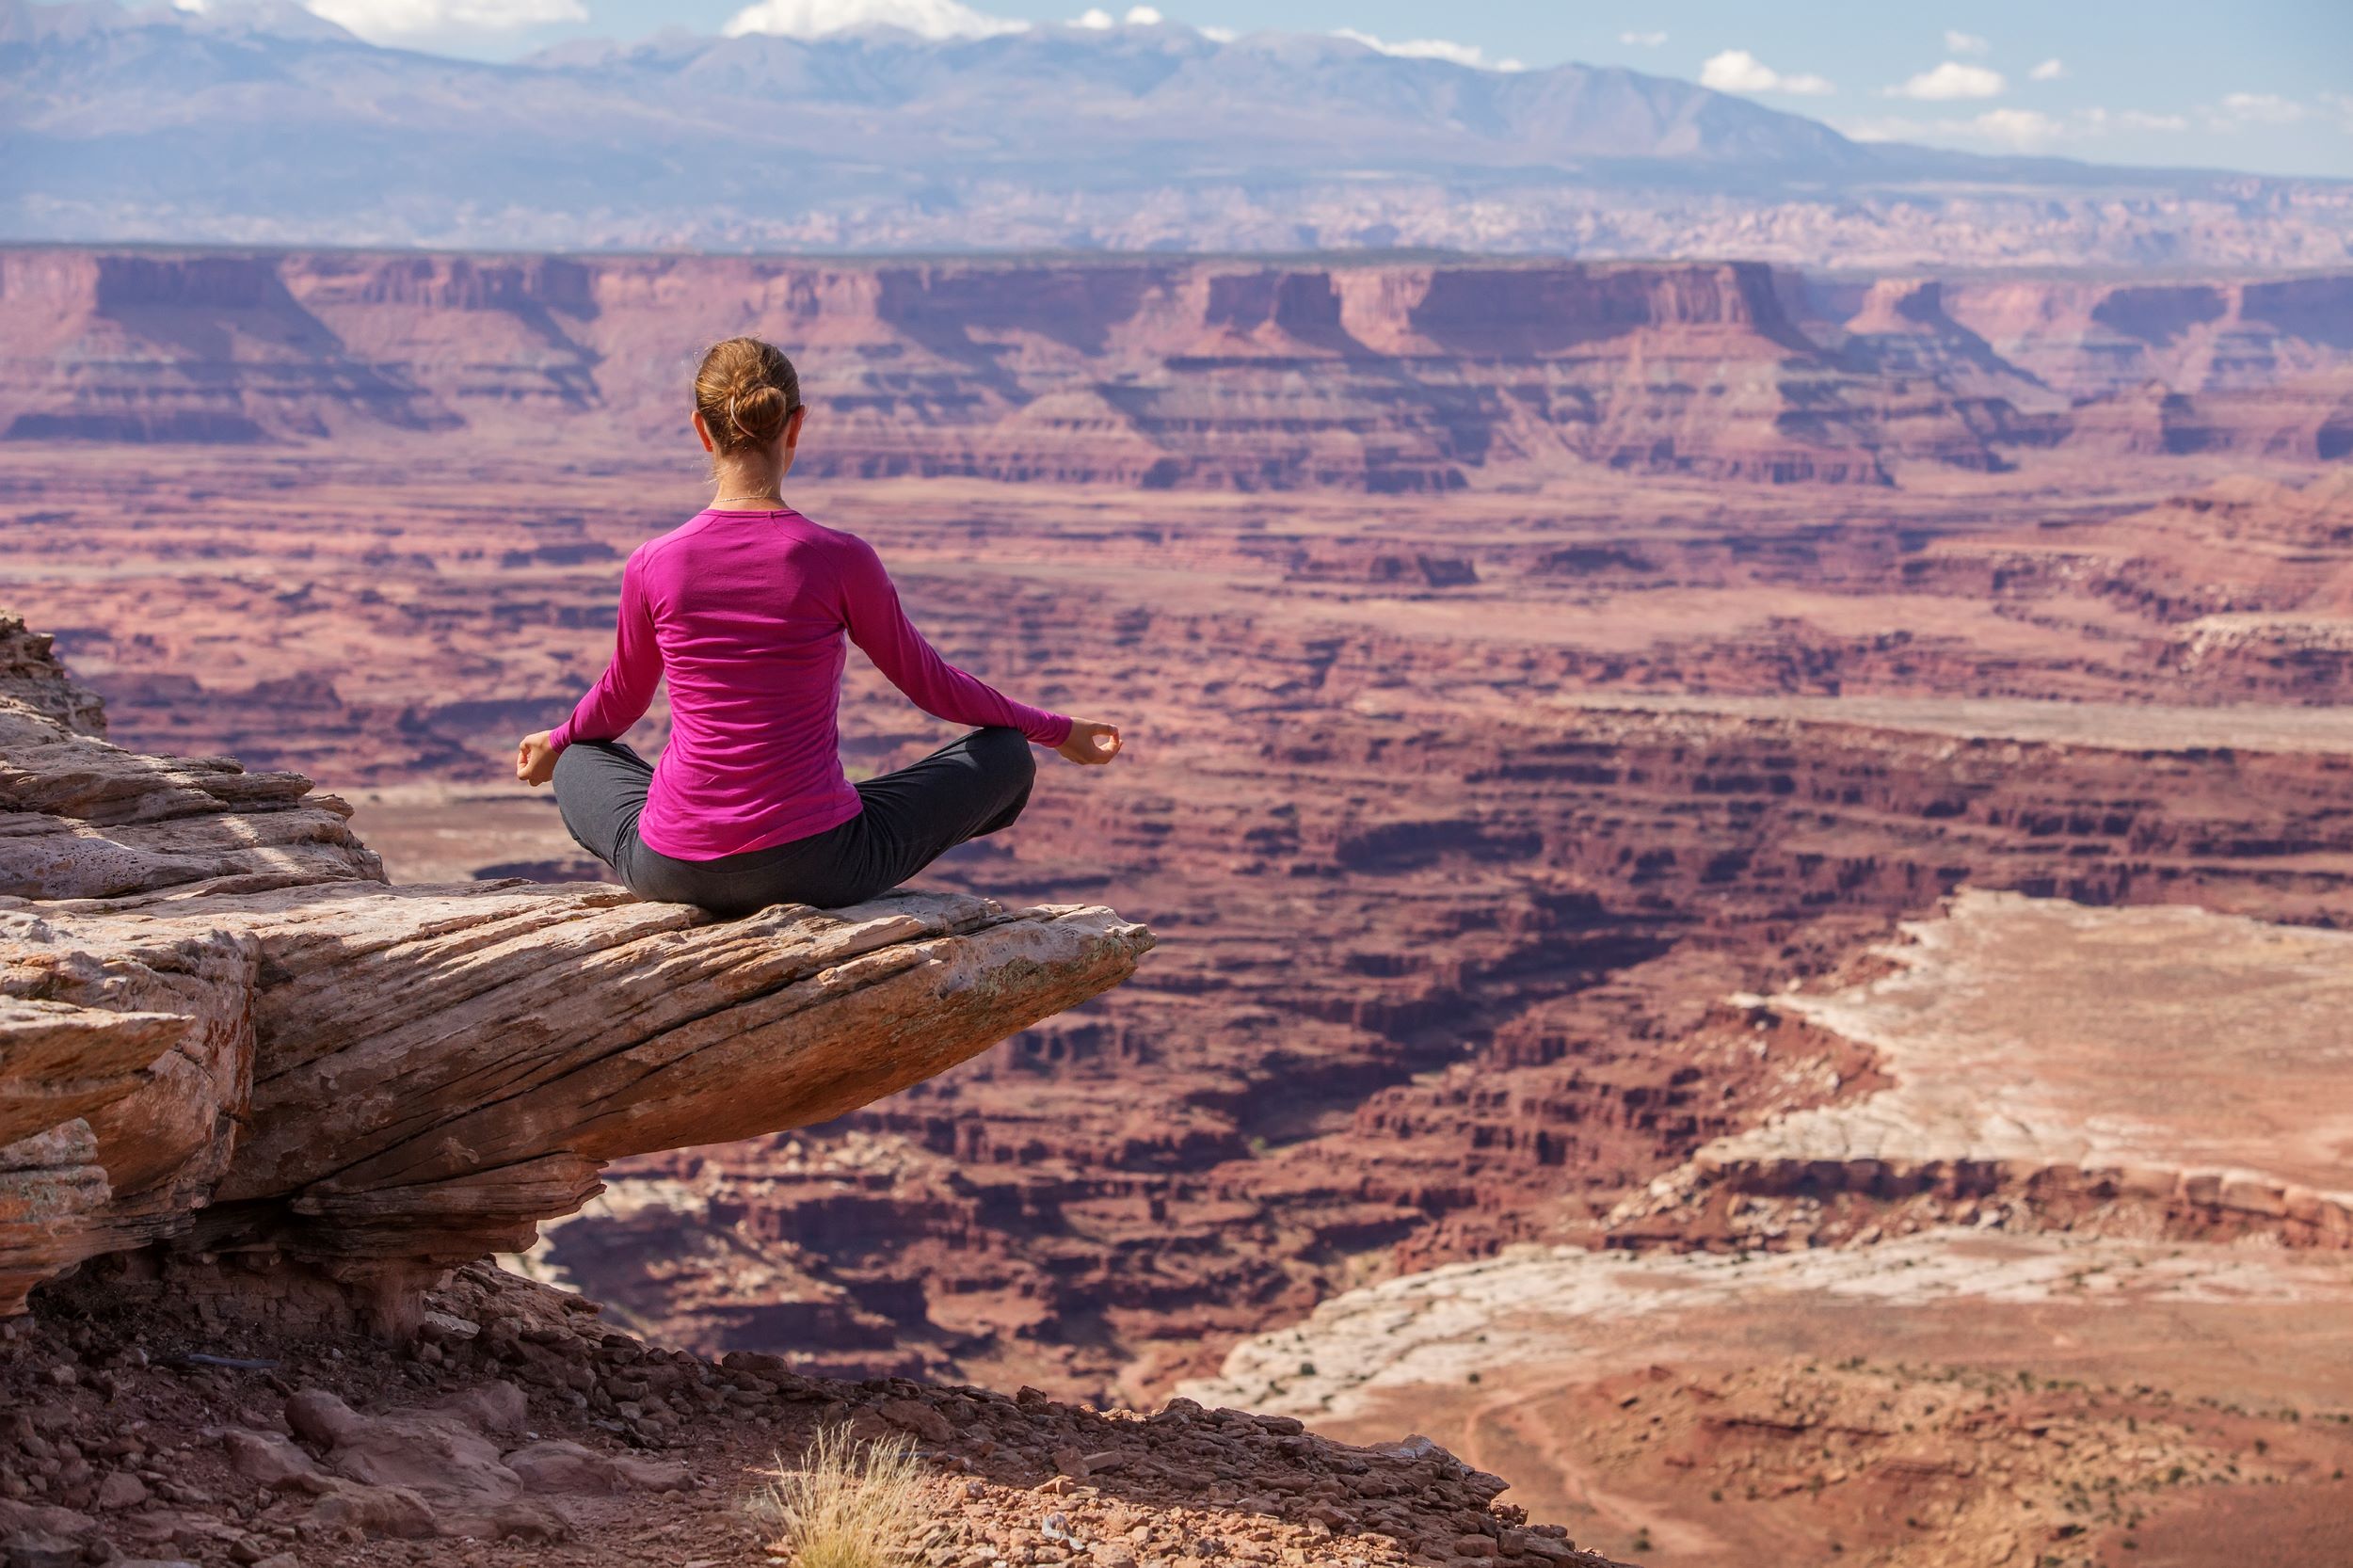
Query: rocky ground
{"points": [[517, 1428]]}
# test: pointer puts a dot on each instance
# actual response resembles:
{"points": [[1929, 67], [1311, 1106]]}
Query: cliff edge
{"points": [[262, 1114], [225, 1038]]}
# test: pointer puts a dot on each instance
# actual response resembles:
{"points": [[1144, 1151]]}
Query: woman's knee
{"points": [[573, 763], [1004, 752], [1007, 770], [600, 787]]}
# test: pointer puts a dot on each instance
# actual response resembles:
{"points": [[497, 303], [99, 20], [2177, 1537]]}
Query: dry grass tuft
{"points": [[846, 1504]]}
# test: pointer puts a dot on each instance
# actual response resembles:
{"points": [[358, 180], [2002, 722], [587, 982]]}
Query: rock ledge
{"points": [[223, 1035]]}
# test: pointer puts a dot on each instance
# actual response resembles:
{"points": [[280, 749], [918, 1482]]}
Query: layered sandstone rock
{"points": [[220, 1028], [30, 674], [2090, 336], [1159, 372], [1166, 372]]}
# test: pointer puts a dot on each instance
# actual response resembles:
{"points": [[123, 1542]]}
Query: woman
{"points": [[744, 609]]}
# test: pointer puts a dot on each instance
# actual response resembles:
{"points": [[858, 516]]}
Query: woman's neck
{"points": [[746, 487]]}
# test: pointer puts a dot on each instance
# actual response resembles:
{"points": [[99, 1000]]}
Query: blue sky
{"points": [[2260, 85]]}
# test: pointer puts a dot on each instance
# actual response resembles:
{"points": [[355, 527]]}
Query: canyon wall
{"points": [[1247, 376], [1474, 986]]}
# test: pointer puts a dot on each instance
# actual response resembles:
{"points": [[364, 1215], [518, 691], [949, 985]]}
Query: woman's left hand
{"points": [[534, 759]]}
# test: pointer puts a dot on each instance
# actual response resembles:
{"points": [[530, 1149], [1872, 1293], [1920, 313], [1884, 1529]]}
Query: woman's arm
{"points": [[880, 627], [621, 696]]}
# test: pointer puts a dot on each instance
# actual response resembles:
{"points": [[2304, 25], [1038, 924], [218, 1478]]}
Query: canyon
{"points": [[1639, 776]]}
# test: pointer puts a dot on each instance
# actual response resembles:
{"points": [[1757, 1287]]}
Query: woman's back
{"points": [[746, 609]]}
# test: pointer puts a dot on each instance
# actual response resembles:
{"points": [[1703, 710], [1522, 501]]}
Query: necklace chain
{"points": [[720, 501]]}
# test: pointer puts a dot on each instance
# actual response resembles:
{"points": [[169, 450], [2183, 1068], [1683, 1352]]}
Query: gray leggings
{"points": [[967, 788]]}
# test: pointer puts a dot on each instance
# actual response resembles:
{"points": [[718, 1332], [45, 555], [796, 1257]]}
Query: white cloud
{"points": [[1431, 49], [1095, 18], [1883, 129], [2049, 71], [2024, 129], [931, 19], [1737, 71], [1145, 16], [1219, 35], [2257, 109], [1965, 44], [408, 19], [1642, 41], [1951, 80], [2340, 104]]}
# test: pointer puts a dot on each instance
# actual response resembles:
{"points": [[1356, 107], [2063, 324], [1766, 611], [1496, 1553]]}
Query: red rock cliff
{"points": [[1183, 371]]}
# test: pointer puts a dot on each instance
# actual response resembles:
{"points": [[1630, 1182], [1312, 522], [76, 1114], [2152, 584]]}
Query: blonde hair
{"points": [[745, 389]]}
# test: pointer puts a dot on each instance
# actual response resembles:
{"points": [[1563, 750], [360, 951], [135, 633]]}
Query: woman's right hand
{"points": [[534, 759], [1089, 743]]}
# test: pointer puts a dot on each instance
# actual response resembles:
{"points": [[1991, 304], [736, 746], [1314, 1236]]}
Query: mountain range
{"points": [[267, 125]]}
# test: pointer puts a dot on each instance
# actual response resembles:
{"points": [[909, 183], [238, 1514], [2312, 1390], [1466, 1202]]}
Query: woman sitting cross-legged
{"points": [[744, 609]]}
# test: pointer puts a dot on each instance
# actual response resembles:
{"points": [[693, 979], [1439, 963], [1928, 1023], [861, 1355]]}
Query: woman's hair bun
{"points": [[745, 389], [759, 414]]}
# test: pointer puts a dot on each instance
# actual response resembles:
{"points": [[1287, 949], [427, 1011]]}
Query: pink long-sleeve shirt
{"points": [[744, 611]]}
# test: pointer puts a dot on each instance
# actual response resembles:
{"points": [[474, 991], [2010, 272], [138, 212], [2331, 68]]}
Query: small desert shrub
{"points": [[846, 1505]]}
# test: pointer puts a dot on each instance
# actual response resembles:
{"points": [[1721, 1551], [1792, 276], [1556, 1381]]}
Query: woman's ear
{"points": [[703, 431], [793, 427]]}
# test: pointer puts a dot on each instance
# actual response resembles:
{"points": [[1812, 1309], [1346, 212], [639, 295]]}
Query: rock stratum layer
{"points": [[1387, 376], [219, 1028]]}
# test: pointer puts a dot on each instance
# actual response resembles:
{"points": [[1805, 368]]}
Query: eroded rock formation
{"points": [[1181, 373], [221, 1028]]}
